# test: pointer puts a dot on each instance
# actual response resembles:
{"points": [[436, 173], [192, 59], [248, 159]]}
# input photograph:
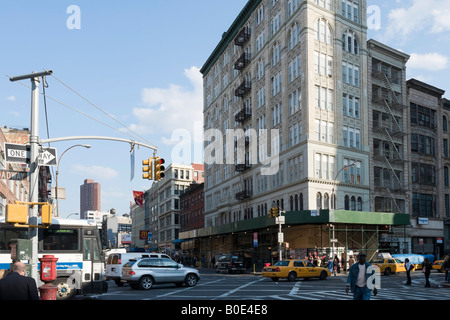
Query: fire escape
{"points": [[390, 129], [245, 114]]}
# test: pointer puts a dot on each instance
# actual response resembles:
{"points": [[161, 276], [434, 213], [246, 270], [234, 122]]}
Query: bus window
{"points": [[61, 240], [87, 250]]}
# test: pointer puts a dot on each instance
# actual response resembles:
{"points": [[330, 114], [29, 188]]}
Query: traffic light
{"points": [[148, 165], [158, 168], [16, 213], [46, 214], [273, 212]]}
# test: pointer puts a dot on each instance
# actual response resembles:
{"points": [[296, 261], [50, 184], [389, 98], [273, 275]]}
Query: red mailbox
{"points": [[48, 268]]}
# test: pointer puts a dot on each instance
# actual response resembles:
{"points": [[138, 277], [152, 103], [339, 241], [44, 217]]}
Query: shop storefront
{"points": [[304, 233]]}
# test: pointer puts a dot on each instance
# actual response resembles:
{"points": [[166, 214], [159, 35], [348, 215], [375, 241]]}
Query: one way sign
{"points": [[20, 153], [47, 157]]}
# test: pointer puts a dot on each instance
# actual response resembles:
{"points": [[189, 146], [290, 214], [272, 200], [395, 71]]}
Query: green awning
{"points": [[305, 217]]}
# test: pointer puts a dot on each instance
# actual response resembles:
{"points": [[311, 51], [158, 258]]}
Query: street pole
{"points": [[279, 243], [34, 167], [34, 174]]}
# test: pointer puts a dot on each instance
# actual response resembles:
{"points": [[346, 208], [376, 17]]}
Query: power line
{"points": [[97, 107], [82, 113]]}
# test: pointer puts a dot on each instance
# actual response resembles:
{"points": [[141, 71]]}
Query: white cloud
{"points": [[11, 98], [421, 15], [429, 61], [94, 171], [168, 109]]}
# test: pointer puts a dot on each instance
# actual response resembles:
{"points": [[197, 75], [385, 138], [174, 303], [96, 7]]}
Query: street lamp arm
{"points": [[43, 141]]}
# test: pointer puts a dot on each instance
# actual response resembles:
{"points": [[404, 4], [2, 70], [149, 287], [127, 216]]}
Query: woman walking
{"points": [[426, 269]]}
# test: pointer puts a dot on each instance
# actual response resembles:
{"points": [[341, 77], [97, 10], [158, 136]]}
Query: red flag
{"points": [[138, 198]]}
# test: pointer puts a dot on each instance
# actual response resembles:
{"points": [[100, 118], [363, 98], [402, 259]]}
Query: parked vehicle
{"points": [[143, 273], [115, 262], [230, 263], [292, 269]]}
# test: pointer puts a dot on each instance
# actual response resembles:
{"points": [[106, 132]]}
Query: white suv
{"points": [[143, 273], [115, 262]]}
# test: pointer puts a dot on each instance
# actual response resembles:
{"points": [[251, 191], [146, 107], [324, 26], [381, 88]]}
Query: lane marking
{"points": [[237, 289]]}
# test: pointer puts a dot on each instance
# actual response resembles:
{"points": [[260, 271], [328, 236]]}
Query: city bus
{"points": [[76, 243]]}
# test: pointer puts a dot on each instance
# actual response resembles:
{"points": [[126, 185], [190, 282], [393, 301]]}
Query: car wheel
{"points": [[292, 276], [275, 279], [323, 275], [146, 283], [387, 271], [191, 280]]}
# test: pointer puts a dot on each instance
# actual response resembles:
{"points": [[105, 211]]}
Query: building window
{"points": [[350, 10], [350, 43], [323, 32], [319, 201]]}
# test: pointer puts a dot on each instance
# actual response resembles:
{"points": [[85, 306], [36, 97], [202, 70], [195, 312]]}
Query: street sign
{"points": [[280, 237], [47, 157], [280, 220], [19, 153], [13, 175]]}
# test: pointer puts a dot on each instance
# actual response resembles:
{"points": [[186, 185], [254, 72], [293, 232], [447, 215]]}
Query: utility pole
{"points": [[34, 168]]}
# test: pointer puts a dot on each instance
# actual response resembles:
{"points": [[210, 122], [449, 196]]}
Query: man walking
{"points": [[17, 286], [357, 278]]}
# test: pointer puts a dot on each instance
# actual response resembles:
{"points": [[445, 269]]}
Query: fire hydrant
{"points": [[48, 275]]}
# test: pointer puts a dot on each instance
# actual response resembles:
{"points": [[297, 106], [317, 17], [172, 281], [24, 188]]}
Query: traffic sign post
{"points": [[34, 172]]}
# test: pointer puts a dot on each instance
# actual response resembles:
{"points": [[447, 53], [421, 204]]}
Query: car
{"points": [[115, 262], [438, 265], [230, 263], [292, 269], [389, 265], [143, 273]]}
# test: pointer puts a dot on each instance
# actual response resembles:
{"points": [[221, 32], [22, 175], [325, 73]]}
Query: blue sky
{"points": [[138, 61]]}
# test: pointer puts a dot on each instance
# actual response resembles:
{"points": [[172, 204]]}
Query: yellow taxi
{"points": [[389, 265], [292, 269], [437, 265]]}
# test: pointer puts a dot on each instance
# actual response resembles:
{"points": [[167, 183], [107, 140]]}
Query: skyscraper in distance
{"points": [[89, 197]]}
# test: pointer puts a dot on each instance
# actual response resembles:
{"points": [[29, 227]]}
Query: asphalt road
{"points": [[251, 287]]}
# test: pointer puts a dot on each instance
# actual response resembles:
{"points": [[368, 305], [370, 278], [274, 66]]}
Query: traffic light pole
{"points": [[34, 171], [34, 174]]}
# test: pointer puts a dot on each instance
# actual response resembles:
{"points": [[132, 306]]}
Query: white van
{"points": [[115, 262]]}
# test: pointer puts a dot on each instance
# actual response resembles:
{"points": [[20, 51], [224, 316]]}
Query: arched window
{"points": [[350, 42], [323, 31], [326, 201], [360, 204], [291, 203], [333, 201], [347, 203], [444, 124], [301, 201], [276, 53], [319, 201], [353, 203], [294, 35], [296, 202]]}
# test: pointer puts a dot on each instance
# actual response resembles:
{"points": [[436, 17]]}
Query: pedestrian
{"points": [[17, 286], [446, 267], [426, 269], [408, 266], [351, 261], [357, 279], [336, 265]]}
